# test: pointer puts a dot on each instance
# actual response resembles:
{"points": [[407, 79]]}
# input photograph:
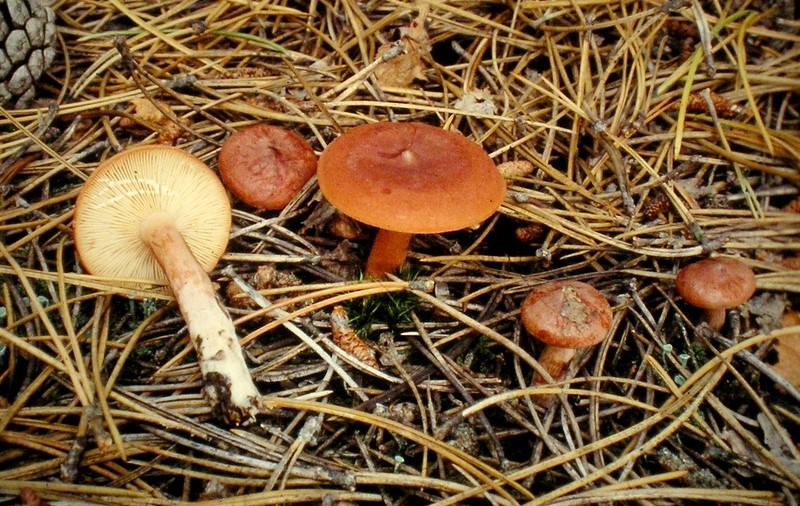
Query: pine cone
{"points": [[27, 48]]}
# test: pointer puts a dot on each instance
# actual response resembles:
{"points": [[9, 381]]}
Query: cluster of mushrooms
{"points": [[157, 214]]}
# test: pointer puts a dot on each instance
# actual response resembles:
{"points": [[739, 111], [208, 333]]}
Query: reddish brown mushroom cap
{"points": [[716, 283], [410, 177], [566, 314], [265, 166]]}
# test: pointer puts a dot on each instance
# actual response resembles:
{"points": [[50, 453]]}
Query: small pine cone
{"points": [[529, 234], [723, 107], [346, 339], [515, 168], [682, 29], [27, 48], [236, 297], [655, 205], [267, 276]]}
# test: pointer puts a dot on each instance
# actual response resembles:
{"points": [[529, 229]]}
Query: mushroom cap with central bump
{"points": [[410, 177], [566, 314], [139, 182]]}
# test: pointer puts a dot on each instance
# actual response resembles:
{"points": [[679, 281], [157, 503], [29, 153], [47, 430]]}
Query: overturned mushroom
{"points": [[159, 213]]}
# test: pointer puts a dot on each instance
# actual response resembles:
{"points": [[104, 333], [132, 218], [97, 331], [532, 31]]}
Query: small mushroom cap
{"points": [[716, 283], [265, 165], [566, 314], [132, 185], [410, 177]]}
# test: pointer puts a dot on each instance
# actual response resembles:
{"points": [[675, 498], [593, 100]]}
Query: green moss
{"points": [[482, 358], [391, 309]]}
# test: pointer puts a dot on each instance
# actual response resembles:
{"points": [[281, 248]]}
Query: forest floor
{"points": [[646, 135]]}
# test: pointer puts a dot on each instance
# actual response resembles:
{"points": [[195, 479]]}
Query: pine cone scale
{"points": [[27, 48]]}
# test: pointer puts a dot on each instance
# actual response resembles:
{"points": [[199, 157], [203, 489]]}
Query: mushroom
{"points": [[158, 213], [265, 165], [565, 315], [408, 178], [715, 285]]}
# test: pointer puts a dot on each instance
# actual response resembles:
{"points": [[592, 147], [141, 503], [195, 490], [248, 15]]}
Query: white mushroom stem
{"points": [[555, 361], [388, 253], [228, 384]]}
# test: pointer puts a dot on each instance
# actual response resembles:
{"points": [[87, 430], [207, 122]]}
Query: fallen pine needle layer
{"points": [[635, 137]]}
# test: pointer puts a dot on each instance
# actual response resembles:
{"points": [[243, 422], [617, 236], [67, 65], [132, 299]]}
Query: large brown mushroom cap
{"points": [[566, 314], [265, 165], [410, 177], [716, 283], [134, 184]]}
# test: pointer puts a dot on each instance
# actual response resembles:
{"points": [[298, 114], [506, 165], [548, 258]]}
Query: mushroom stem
{"points": [[555, 361], [227, 380], [715, 318], [388, 253]]}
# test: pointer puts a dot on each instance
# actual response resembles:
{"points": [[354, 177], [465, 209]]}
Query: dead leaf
{"points": [[740, 448], [775, 438], [779, 443], [476, 102], [146, 111], [344, 227], [149, 112], [171, 131], [346, 339], [390, 356], [416, 30], [400, 71], [788, 351], [403, 412]]}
